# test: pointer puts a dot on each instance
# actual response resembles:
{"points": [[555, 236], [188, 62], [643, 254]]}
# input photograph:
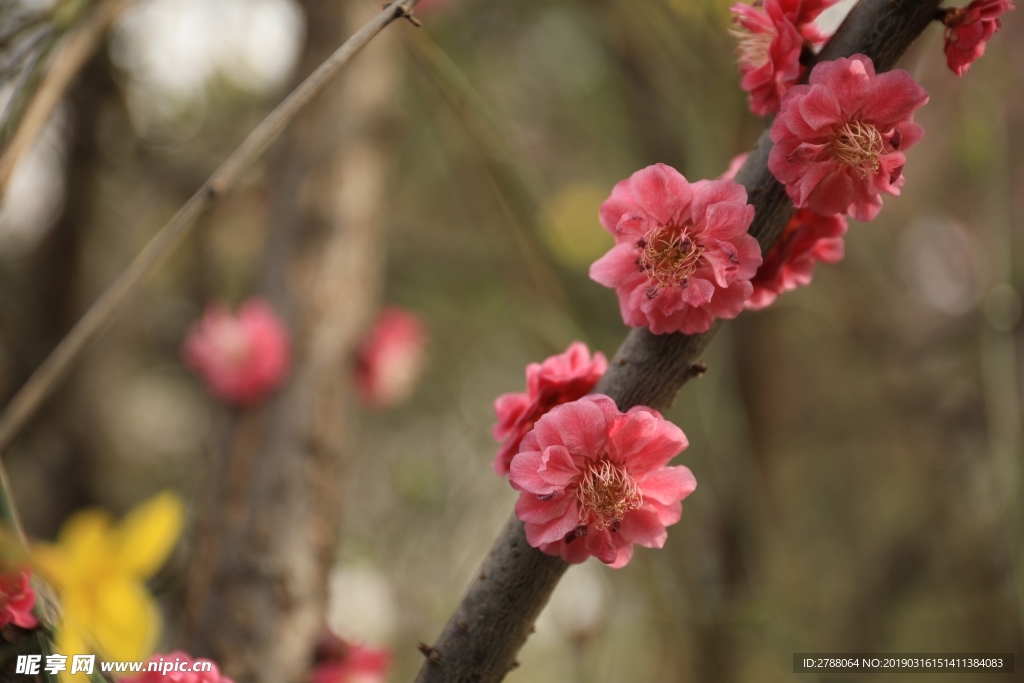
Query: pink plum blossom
{"points": [[840, 140], [242, 357], [682, 256], [807, 239], [593, 481], [338, 661], [177, 667], [969, 28], [771, 36], [17, 599], [391, 358], [559, 379]]}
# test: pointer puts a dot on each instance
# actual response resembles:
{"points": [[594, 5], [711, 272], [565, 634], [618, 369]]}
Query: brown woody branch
{"points": [[480, 642]]}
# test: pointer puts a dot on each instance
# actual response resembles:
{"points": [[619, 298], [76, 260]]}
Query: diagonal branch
{"points": [[480, 642], [43, 381]]}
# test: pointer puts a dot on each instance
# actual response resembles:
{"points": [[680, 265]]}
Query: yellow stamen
{"points": [[752, 48], [858, 144], [669, 256], [609, 492]]}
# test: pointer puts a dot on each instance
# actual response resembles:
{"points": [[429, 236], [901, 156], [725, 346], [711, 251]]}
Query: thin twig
{"points": [[43, 381], [480, 642], [75, 51]]}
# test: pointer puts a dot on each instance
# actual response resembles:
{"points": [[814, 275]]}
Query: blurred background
{"points": [[858, 445]]}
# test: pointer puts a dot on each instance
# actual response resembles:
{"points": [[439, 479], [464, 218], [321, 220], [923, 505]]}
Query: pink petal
{"points": [[616, 206], [532, 509], [726, 220], [894, 96], [820, 109], [712, 192], [668, 442], [833, 194], [667, 484], [661, 191], [617, 268], [557, 467], [555, 530], [643, 527], [582, 428]]}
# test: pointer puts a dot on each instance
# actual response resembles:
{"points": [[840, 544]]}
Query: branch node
{"points": [[406, 12], [695, 370], [429, 652]]}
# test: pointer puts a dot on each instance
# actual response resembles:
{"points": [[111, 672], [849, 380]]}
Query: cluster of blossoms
{"points": [[241, 357], [592, 480], [772, 37], [775, 38], [559, 379]]}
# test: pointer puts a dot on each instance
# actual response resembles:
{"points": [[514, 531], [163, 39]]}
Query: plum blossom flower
{"points": [[559, 379], [682, 256], [391, 358], [593, 481], [17, 599], [840, 140], [807, 239], [338, 661], [771, 36], [241, 357], [178, 667], [969, 28]]}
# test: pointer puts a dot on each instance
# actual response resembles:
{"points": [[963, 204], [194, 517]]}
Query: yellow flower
{"points": [[99, 568]]}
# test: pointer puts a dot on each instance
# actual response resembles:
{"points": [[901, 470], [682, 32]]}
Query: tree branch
{"points": [[480, 642], [43, 381], [69, 60]]}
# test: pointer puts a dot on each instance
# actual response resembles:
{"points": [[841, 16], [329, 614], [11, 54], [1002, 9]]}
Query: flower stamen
{"points": [[609, 492], [752, 47], [858, 144], [669, 256]]}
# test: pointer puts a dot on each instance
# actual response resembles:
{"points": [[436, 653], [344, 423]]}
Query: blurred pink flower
{"points": [[593, 481], [771, 36], [338, 661], [391, 358], [808, 238], [17, 599], [242, 357], [178, 666], [559, 379], [969, 28], [839, 141], [682, 256]]}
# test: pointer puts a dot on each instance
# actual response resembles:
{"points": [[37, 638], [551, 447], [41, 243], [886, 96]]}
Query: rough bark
{"points": [[480, 642], [256, 599]]}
